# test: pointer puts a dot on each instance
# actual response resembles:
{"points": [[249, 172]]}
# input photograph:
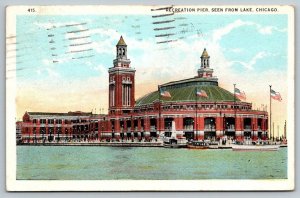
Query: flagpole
{"points": [[159, 111], [270, 113], [277, 131], [273, 132], [234, 107], [196, 112], [285, 129]]}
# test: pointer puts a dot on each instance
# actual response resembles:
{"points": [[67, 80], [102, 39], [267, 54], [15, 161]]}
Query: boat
{"points": [[283, 143], [197, 145], [257, 147], [171, 139], [175, 142]]}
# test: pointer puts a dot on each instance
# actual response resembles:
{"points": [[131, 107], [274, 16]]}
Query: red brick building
{"points": [[197, 107]]}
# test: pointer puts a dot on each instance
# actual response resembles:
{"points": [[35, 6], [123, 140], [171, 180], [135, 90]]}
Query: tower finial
{"points": [[204, 54], [121, 42]]}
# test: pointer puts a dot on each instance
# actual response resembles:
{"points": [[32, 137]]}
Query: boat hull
{"points": [[174, 143], [166, 145], [197, 147], [255, 147]]}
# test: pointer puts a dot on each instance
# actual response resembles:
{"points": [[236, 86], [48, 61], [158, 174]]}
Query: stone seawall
{"points": [[111, 144]]}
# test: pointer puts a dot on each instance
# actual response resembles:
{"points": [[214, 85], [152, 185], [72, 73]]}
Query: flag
{"points": [[164, 93], [275, 95], [201, 93], [239, 94]]}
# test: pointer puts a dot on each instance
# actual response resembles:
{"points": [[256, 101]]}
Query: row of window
{"points": [[82, 127], [228, 122], [186, 126], [192, 83], [193, 107], [124, 78], [57, 121]]}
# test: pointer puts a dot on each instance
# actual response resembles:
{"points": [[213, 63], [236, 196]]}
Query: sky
{"points": [[62, 61]]}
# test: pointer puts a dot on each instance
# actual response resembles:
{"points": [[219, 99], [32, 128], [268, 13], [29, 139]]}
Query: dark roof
{"points": [[76, 113], [191, 81], [187, 94]]}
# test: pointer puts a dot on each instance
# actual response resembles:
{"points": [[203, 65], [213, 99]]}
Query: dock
{"points": [[120, 144], [110, 144]]}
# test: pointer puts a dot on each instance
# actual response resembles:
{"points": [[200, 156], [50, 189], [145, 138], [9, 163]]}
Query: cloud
{"points": [[100, 68], [51, 72], [48, 68], [250, 65], [46, 61], [267, 30], [107, 43], [50, 25], [170, 63], [219, 33], [264, 30], [236, 50]]}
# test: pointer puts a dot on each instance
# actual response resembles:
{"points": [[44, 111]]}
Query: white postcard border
{"points": [[143, 185]]}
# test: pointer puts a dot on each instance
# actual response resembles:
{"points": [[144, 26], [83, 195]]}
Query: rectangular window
{"points": [[110, 99], [114, 95], [51, 121], [123, 94], [129, 95]]}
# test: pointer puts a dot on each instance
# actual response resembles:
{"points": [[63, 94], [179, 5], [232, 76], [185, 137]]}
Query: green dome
{"points": [[187, 94]]}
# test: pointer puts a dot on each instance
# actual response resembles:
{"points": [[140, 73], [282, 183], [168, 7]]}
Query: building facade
{"points": [[212, 114]]}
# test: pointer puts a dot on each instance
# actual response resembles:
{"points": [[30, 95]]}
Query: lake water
{"points": [[107, 163]]}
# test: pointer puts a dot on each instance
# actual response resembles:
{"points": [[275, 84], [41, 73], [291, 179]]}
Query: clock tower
{"points": [[121, 82]]}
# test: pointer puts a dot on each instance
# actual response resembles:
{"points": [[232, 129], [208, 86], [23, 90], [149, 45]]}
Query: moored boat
{"points": [[255, 147], [175, 142], [174, 138], [197, 145]]}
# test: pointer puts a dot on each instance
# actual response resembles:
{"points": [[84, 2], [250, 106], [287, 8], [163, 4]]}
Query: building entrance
{"points": [[189, 135]]}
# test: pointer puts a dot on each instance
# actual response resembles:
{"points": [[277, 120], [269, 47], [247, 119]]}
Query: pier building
{"points": [[198, 107]]}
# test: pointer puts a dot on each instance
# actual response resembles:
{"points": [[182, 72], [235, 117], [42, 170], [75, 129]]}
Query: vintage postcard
{"points": [[150, 98]]}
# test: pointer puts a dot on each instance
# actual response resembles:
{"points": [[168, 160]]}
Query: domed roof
{"points": [[204, 54], [187, 94]]}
